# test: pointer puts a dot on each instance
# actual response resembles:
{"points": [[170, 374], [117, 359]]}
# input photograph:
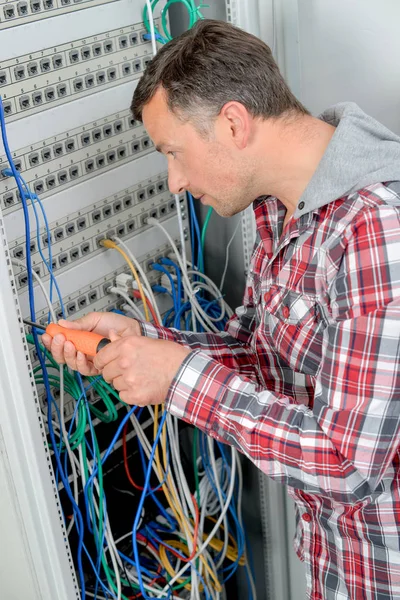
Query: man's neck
{"points": [[292, 152]]}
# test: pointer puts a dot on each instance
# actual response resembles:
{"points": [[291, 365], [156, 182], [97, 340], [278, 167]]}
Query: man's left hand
{"points": [[141, 369]]}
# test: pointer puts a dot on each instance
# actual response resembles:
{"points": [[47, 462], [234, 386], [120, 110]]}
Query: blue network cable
{"points": [[194, 220], [170, 263], [230, 570], [161, 269], [141, 502], [41, 356]]}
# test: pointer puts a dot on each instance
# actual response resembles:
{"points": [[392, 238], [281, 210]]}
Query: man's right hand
{"points": [[98, 322]]}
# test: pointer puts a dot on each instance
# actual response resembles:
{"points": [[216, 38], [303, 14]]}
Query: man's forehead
{"points": [[156, 106]]}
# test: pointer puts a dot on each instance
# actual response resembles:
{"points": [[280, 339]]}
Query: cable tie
{"points": [[194, 292]]}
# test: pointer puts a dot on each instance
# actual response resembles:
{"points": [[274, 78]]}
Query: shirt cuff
{"points": [[158, 333], [198, 389]]}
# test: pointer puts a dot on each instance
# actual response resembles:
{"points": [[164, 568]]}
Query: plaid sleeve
{"points": [[231, 347], [347, 442]]}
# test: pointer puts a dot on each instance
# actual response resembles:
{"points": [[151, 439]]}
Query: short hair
{"points": [[211, 64]]}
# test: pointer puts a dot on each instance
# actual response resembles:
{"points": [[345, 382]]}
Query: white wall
{"points": [[350, 50], [332, 51]]}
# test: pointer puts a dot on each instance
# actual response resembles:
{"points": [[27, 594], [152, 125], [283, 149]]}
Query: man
{"points": [[305, 381]]}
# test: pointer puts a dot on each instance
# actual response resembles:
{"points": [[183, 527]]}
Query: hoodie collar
{"points": [[361, 152]]}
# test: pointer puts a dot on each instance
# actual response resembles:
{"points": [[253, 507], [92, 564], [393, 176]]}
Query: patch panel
{"points": [[18, 13], [78, 235], [74, 156], [95, 296], [80, 246], [39, 80]]}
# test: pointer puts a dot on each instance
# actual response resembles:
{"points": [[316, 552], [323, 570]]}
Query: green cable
{"points": [[204, 228], [77, 439], [193, 11], [101, 387], [196, 470]]}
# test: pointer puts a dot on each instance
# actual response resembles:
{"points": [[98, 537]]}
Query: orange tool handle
{"points": [[85, 341]]}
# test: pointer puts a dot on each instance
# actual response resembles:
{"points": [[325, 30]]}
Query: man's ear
{"points": [[236, 121]]}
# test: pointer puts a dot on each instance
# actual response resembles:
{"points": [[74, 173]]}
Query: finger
{"points": [[46, 341], [86, 323], [69, 324], [78, 361], [112, 370], [113, 335], [57, 348], [70, 355], [107, 354], [120, 384], [85, 366]]}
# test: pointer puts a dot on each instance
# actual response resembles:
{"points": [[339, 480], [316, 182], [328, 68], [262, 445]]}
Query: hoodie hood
{"points": [[361, 152]]}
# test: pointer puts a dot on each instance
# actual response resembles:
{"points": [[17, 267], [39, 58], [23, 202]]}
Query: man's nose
{"points": [[177, 183]]}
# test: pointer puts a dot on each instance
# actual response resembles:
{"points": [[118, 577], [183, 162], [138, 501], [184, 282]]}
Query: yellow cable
{"points": [[161, 473], [184, 549], [217, 544], [169, 568], [173, 503], [111, 244]]}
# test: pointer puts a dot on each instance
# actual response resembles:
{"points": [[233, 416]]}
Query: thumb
{"points": [[113, 336]]}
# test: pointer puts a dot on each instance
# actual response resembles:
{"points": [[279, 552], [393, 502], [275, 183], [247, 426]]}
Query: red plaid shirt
{"points": [[306, 383]]}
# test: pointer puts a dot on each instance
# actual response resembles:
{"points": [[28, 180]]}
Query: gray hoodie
{"points": [[361, 152]]}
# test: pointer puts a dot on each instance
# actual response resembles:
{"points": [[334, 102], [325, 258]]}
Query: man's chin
{"points": [[222, 211]]}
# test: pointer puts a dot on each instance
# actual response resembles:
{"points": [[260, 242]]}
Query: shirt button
{"points": [[306, 517], [286, 312], [301, 205]]}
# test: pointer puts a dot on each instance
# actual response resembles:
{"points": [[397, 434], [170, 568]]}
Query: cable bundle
{"points": [[194, 14], [196, 540]]}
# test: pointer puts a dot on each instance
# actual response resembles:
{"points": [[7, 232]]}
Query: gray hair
{"points": [[211, 64]]}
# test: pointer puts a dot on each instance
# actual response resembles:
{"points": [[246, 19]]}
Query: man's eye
{"points": [[171, 153]]}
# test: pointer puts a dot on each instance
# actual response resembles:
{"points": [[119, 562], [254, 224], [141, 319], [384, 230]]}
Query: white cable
{"points": [[214, 529], [273, 28], [19, 263], [214, 290], [203, 286], [152, 32], [198, 312], [221, 285], [135, 309], [118, 292], [181, 230], [210, 443], [184, 492], [62, 415], [148, 290], [115, 559], [177, 199]]}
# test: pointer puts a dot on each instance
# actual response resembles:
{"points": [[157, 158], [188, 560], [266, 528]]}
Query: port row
{"points": [[88, 246], [59, 60], [89, 166], [73, 141]]}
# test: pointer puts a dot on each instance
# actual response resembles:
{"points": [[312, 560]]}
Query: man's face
{"points": [[210, 168]]}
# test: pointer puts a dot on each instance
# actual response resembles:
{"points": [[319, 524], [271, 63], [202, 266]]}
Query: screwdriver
{"points": [[84, 341]]}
